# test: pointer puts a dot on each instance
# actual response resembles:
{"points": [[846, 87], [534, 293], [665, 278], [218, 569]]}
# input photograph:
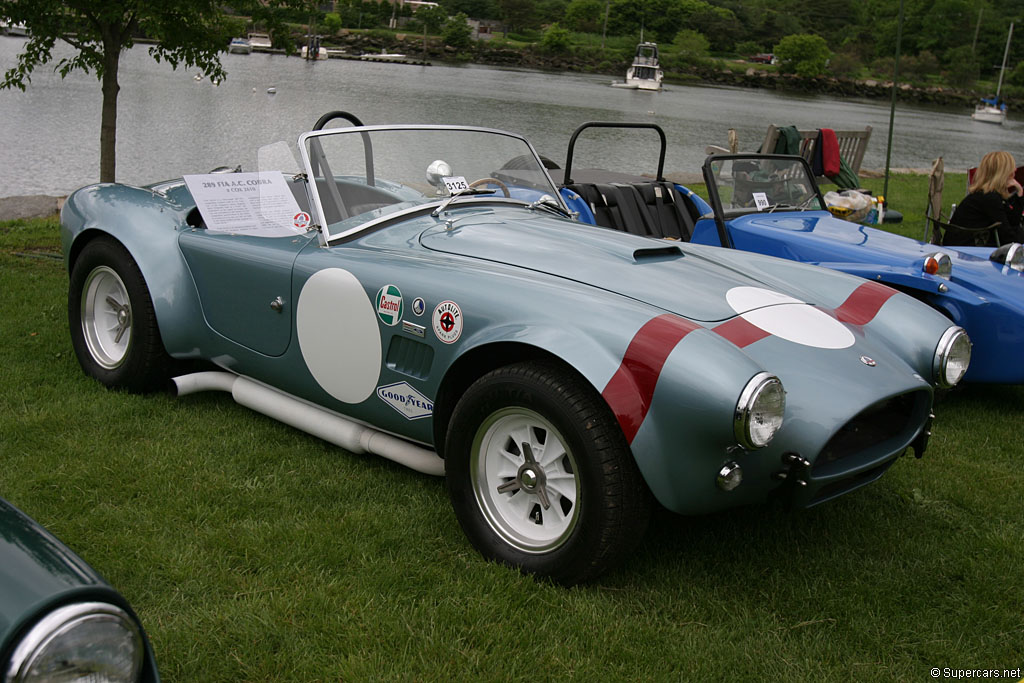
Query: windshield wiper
{"points": [[461, 193]]}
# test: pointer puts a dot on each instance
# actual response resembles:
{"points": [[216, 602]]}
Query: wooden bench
{"points": [[852, 144]]}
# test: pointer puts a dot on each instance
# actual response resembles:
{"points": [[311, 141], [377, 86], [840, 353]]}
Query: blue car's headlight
{"points": [[80, 642], [1010, 255], [759, 411], [952, 356]]}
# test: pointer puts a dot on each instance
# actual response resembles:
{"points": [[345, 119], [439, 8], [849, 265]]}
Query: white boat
{"points": [[260, 41], [240, 46], [992, 109], [317, 53], [18, 30], [644, 73]]}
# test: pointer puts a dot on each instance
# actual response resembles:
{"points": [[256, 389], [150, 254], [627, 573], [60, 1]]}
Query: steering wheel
{"points": [[493, 181]]}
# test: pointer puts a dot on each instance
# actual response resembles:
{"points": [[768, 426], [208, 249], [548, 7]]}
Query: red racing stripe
{"points": [[631, 388], [863, 304], [740, 332]]}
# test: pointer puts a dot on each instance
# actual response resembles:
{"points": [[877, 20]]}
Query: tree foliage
{"points": [[585, 16], [457, 32], [433, 18], [187, 32], [803, 54], [556, 39]]}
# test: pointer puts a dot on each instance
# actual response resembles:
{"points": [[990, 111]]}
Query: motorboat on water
{"points": [[260, 41], [240, 46], [16, 30], [313, 52], [645, 72]]}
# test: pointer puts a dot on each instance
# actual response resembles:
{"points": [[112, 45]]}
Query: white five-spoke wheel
{"points": [[540, 475], [525, 480], [113, 325], [106, 317]]}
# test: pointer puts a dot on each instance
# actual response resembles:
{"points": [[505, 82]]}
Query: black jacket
{"points": [[980, 210]]}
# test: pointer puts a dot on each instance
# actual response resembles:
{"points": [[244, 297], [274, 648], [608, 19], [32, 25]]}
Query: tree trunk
{"points": [[108, 120]]}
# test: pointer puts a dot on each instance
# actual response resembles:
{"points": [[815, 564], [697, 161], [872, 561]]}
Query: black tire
{"points": [[597, 503], [113, 326]]}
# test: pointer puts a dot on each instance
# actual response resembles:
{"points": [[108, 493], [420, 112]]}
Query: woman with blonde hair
{"points": [[993, 200]]}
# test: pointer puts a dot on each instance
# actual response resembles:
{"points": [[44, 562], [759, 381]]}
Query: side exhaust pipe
{"points": [[319, 422]]}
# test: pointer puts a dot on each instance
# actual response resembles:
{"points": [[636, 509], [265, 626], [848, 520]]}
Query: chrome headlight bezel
{"points": [[1015, 257], [938, 264], [118, 656], [759, 411], [952, 357], [1010, 255]]}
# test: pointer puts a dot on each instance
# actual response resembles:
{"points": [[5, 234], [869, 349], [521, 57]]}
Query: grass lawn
{"points": [[255, 553]]}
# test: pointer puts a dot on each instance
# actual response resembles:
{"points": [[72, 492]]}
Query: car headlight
{"points": [[1010, 255], [952, 356], [88, 641], [759, 411], [939, 264]]}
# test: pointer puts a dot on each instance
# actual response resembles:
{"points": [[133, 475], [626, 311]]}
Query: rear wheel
{"points": [[540, 476], [113, 326]]}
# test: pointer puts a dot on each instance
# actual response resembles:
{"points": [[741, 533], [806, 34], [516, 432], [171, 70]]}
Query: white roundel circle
{"points": [[788, 318], [338, 335], [447, 322]]}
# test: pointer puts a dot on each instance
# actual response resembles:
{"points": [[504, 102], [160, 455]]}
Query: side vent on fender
{"points": [[409, 357]]}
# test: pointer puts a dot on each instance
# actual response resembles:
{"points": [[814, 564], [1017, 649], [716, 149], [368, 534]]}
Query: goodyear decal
{"points": [[405, 399]]}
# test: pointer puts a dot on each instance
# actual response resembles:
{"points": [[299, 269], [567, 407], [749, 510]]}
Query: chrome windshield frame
{"points": [[327, 237]]}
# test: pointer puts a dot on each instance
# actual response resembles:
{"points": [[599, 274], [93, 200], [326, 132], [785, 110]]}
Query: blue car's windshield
{"points": [[753, 183]]}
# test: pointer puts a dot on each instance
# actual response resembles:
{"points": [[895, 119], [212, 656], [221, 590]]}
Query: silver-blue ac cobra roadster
{"points": [[421, 293]]}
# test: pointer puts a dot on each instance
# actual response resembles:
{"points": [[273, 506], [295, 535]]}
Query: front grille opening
{"points": [[873, 426], [838, 488]]}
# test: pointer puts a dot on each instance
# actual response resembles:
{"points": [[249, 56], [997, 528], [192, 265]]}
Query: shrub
{"points": [[803, 54], [556, 39], [457, 32]]}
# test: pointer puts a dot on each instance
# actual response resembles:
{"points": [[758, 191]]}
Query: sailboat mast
{"points": [[1006, 53]]}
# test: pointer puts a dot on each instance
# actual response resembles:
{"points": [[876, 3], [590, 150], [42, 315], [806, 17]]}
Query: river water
{"points": [[169, 123]]}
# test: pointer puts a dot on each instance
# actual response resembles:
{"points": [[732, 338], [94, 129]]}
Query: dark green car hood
{"points": [[37, 570]]}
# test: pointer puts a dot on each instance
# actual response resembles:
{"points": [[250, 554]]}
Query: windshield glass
{"points": [[756, 183], [361, 175]]}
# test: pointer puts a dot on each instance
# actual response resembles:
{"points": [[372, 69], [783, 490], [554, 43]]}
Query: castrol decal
{"points": [[389, 305]]}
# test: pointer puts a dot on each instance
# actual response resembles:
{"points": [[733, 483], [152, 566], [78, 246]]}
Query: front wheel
{"points": [[540, 475], [113, 326]]}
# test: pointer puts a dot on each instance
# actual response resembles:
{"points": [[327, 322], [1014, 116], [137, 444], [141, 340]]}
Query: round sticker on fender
{"points": [[389, 305], [447, 322]]}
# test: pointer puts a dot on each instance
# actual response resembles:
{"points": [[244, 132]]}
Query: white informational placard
{"points": [[760, 200], [257, 204]]}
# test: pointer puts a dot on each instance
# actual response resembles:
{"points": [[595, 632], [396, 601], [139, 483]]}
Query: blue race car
{"points": [[771, 204]]}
